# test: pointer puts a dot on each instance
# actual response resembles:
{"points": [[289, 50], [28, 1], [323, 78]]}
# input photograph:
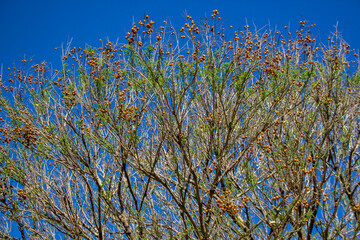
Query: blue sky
{"points": [[34, 28]]}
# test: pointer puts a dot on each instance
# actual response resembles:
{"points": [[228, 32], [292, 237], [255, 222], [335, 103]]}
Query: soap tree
{"points": [[201, 132]]}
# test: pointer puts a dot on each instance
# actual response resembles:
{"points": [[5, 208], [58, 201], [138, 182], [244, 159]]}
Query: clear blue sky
{"points": [[34, 28]]}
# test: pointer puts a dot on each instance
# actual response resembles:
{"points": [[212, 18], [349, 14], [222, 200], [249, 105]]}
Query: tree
{"points": [[192, 134]]}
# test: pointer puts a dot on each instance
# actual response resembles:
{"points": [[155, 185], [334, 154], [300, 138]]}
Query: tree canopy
{"points": [[202, 132]]}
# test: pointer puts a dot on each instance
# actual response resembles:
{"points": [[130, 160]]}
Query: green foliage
{"points": [[190, 134]]}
